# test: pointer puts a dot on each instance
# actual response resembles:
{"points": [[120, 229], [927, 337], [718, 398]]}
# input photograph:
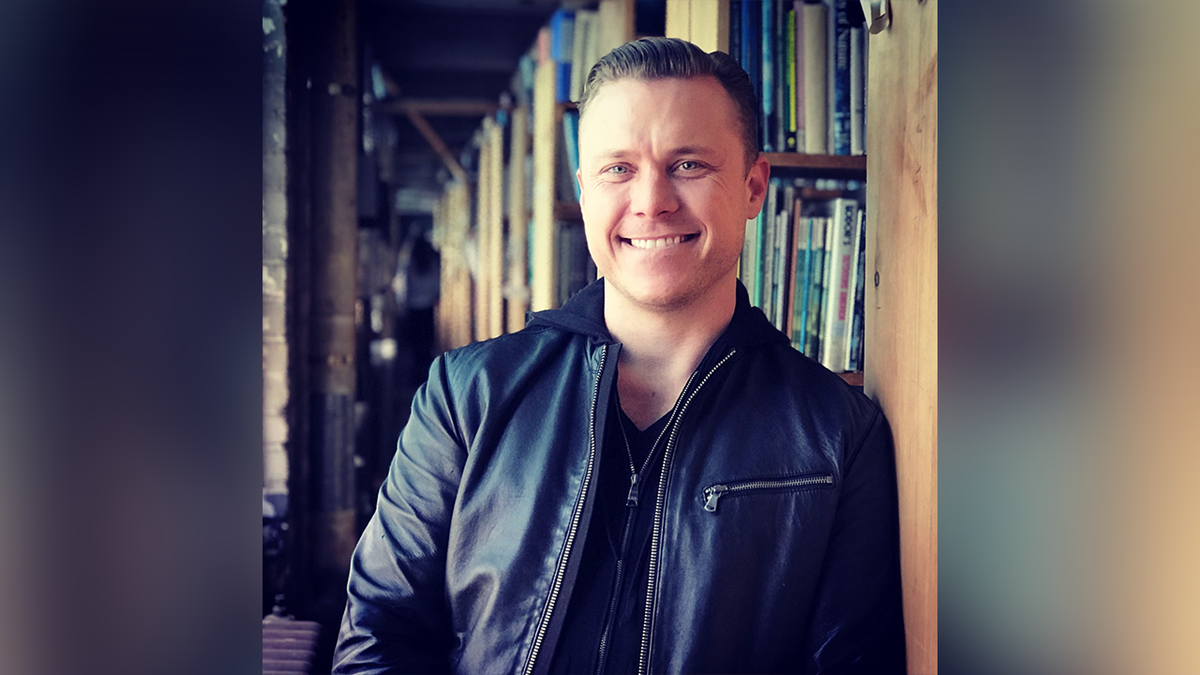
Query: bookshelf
{"points": [[900, 350]]}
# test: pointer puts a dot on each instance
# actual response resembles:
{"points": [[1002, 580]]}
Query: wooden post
{"points": [[901, 294], [495, 229], [517, 288], [547, 121], [334, 277]]}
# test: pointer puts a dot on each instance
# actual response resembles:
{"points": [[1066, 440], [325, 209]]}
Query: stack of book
{"points": [[807, 62], [803, 264]]}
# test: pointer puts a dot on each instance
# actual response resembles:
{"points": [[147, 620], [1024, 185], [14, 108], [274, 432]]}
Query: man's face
{"points": [[665, 190]]}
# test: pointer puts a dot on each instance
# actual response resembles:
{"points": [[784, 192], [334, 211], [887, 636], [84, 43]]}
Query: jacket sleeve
{"points": [[857, 624], [397, 619]]}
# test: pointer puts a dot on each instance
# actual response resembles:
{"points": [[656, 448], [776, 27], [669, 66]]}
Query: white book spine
{"points": [[844, 213], [816, 76], [857, 91]]}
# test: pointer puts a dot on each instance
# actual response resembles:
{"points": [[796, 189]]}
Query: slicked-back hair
{"points": [[656, 58]]}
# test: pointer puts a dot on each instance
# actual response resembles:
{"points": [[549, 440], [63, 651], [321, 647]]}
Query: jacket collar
{"points": [[584, 314]]}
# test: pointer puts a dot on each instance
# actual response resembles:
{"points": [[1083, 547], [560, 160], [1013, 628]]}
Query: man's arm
{"points": [[857, 624], [397, 619]]}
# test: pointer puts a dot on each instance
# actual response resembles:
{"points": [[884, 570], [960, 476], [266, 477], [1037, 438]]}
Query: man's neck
{"points": [[661, 348]]}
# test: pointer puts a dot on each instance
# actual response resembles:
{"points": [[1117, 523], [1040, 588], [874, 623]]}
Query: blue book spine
{"points": [[841, 78], [571, 127], [562, 43], [767, 120], [751, 50], [804, 283]]}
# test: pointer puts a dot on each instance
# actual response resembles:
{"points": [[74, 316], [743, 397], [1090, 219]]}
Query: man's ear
{"points": [[756, 184], [579, 179]]}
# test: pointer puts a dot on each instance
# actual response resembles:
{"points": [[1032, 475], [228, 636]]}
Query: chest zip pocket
{"points": [[713, 493]]}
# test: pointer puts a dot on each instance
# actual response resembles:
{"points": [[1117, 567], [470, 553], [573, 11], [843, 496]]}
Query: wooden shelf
{"points": [[851, 166], [854, 379]]}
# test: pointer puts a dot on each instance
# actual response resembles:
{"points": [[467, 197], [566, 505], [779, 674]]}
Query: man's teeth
{"points": [[661, 242]]}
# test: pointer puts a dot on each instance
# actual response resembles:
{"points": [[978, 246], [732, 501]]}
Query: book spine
{"points": [[855, 349], [783, 253], [857, 87], [815, 122], [841, 78], [780, 63], [852, 290], [803, 281], [748, 261], [767, 248], [790, 98], [844, 213], [816, 297], [756, 293], [798, 8], [562, 42], [752, 50], [571, 145], [767, 118]]}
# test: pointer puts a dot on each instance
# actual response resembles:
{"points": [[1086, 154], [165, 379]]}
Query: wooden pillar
{"points": [[901, 307], [334, 278], [547, 129], [517, 288]]}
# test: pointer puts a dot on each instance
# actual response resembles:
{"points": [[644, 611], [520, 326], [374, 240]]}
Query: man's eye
{"points": [[689, 165], [618, 169]]}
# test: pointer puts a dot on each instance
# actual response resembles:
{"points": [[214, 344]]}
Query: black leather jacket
{"points": [[775, 547]]}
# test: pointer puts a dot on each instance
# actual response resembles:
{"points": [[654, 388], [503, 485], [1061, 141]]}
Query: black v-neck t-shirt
{"points": [[598, 604]]}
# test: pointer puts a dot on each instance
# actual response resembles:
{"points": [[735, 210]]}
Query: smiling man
{"points": [[649, 479]]}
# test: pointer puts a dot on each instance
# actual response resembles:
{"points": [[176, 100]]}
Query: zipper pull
{"points": [[632, 499], [711, 495]]}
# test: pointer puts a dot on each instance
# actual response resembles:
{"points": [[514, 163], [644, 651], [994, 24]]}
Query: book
{"points": [[749, 259], [816, 292], [767, 248], [780, 63], [854, 349], [571, 152], [767, 109], [584, 25], [791, 95], [783, 256], [562, 44], [857, 94], [803, 257], [756, 293], [814, 23], [840, 246], [839, 88], [751, 18]]}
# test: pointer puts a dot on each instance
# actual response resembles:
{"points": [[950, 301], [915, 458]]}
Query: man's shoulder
{"points": [[513, 352], [783, 368]]}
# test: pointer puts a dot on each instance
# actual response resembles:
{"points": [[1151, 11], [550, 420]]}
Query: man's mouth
{"points": [[659, 242]]}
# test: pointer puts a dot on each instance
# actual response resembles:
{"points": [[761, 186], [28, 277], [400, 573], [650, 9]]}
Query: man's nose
{"points": [[653, 194]]}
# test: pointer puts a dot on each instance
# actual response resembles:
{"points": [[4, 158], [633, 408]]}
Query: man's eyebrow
{"points": [[693, 150]]}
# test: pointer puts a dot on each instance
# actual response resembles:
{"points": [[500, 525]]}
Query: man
{"points": [[649, 479]]}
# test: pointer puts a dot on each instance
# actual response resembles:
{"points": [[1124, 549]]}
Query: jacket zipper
{"points": [[556, 587], [631, 502], [616, 593], [713, 493], [647, 628]]}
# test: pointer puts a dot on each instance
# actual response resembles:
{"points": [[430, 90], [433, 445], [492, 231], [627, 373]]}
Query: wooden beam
{"points": [[438, 146], [441, 107]]}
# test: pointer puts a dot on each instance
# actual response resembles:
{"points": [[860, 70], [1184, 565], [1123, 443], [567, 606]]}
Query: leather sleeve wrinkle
{"points": [[857, 620], [397, 618]]}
